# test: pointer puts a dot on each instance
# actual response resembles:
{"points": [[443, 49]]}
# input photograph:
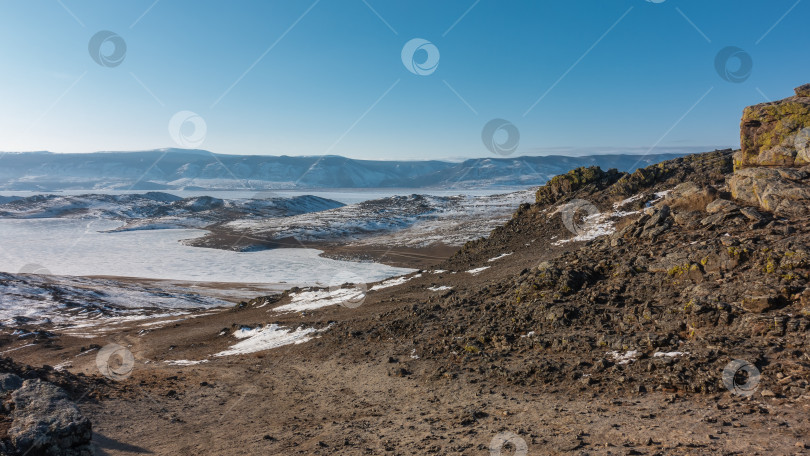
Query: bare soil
{"points": [[520, 350]]}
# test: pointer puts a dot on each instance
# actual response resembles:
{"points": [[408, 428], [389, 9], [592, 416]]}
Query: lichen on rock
{"points": [[772, 133]]}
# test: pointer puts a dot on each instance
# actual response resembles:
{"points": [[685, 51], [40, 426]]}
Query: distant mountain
{"points": [[158, 210], [179, 169]]}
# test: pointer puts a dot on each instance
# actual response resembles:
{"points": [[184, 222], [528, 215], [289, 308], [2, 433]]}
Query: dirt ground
{"points": [[339, 394], [518, 344]]}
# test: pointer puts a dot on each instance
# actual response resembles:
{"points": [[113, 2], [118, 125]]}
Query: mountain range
{"points": [[182, 169]]}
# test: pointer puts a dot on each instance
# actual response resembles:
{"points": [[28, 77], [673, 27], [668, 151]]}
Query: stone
{"points": [[713, 220], [752, 214], [803, 91], [10, 382], [687, 219], [768, 190], [792, 173], [690, 196], [47, 422], [758, 304], [772, 133], [721, 206]]}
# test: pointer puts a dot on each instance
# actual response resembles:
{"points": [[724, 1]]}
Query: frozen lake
{"points": [[76, 247]]}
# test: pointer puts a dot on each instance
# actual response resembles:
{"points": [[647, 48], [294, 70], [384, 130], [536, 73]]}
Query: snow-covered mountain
{"points": [[162, 210], [176, 169], [405, 221]]}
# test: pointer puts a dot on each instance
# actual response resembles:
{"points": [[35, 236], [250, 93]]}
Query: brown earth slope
{"points": [[663, 312], [615, 345]]}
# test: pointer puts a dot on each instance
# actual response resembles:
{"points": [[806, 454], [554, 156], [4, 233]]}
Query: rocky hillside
{"points": [[663, 311], [652, 281]]}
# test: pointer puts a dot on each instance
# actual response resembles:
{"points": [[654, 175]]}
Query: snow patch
{"points": [[394, 282], [440, 288], [669, 354], [499, 257], [269, 337], [477, 271], [623, 358], [311, 300], [185, 362]]}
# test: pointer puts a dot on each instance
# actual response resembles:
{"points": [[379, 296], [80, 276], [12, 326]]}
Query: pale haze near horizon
{"points": [[313, 78]]}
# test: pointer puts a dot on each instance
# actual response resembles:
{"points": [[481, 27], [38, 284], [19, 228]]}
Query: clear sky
{"points": [[306, 77]]}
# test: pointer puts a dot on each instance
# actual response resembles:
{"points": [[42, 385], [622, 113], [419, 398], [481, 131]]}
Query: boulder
{"points": [[47, 422], [721, 206], [768, 189], [776, 133], [690, 196], [9, 382], [758, 304]]}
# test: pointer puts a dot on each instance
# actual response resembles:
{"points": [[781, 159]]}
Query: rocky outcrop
{"points": [[783, 191], [46, 421], [776, 133], [576, 179], [772, 169]]}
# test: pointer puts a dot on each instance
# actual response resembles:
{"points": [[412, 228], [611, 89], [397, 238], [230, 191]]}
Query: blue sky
{"points": [[307, 78]]}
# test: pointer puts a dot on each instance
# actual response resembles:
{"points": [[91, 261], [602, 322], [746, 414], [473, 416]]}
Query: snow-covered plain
{"points": [[78, 248]]}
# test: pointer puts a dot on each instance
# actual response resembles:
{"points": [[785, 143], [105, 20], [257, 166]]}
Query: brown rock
{"points": [[758, 304], [721, 206], [690, 196], [767, 189], [752, 214], [803, 91], [771, 133]]}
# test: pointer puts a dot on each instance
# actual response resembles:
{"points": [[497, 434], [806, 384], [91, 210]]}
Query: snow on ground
{"points": [[492, 260], [76, 303], [405, 221], [315, 299], [668, 354], [595, 225], [76, 247], [477, 271], [623, 358], [268, 337], [158, 210], [185, 362], [440, 288], [394, 282]]}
